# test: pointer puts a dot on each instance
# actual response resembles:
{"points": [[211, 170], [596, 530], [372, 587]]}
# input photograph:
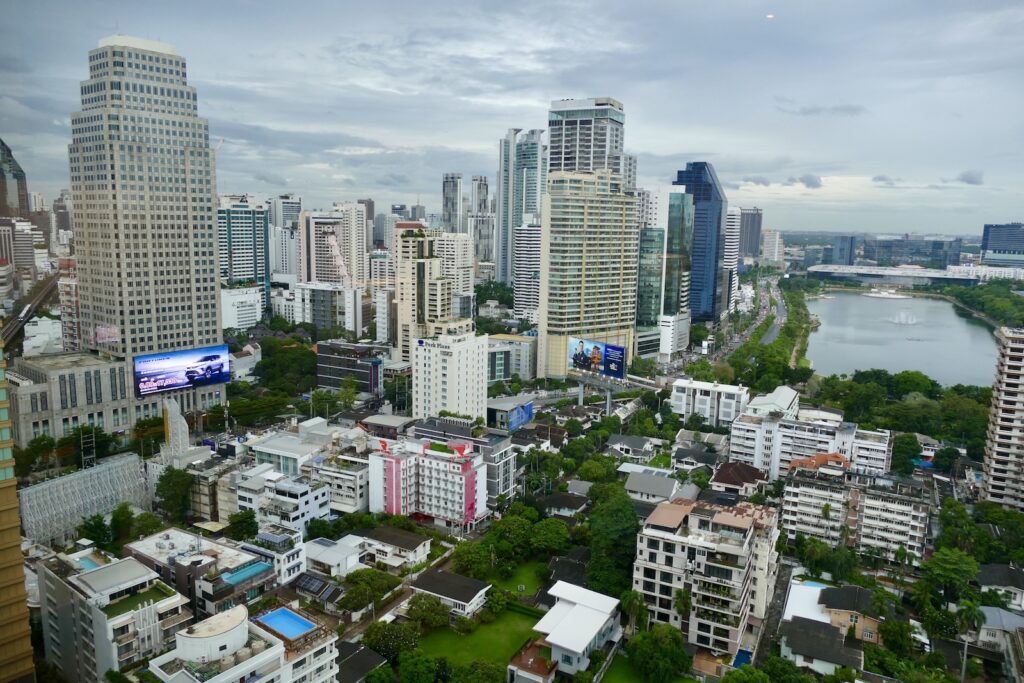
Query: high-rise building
{"points": [[400, 210], [243, 227], [382, 270], [332, 246], [1003, 244], [145, 241], [370, 215], [481, 220], [449, 373], [1004, 445], [526, 259], [844, 250], [521, 182], [284, 210], [772, 249], [750, 232], [284, 249], [629, 172], [456, 253], [674, 322], [650, 274], [63, 215], [452, 215], [417, 212], [586, 135], [15, 646], [709, 283], [589, 253], [384, 230], [14, 201], [67, 293], [936, 251], [731, 256], [36, 202]]}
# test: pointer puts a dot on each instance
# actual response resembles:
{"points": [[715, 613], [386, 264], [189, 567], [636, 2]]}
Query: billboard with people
{"points": [[159, 372], [594, 356]]}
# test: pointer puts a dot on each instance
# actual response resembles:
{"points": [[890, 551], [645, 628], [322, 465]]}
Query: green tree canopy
{"points": [[174, 494], [390, 640], [242, 525], [659, 655], [613, 528]]}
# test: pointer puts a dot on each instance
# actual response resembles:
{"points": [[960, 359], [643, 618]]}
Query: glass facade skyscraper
{"points": [[1003, 245], [649, 277], [13, 185], [521, 182], [709, 284]]}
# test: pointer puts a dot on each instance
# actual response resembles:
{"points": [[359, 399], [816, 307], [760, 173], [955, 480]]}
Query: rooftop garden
{"points": [[129, 603]]}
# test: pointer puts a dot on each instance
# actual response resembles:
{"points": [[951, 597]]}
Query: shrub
{"points": [[464, 625]]}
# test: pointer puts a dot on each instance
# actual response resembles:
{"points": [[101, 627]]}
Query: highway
{"points": [[18, 319]]}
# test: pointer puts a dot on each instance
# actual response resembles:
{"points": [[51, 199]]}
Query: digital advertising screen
{"points": [[594, 356], [159, 372]]}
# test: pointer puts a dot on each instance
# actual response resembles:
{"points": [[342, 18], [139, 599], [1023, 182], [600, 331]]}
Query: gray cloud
{"points": [[757, 180], [270, 178], [808, 180], [971, 177], [821, 110], [883, 180]]}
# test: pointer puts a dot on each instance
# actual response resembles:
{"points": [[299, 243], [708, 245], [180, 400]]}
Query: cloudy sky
{"points": [[870, 116]]}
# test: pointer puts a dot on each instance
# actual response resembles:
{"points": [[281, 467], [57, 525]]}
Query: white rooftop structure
{"points": [[185, 547], [577, 617], [802, 601], [782, 399]]}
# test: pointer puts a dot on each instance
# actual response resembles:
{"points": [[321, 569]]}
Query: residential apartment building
{"points": [[509, 355], [453, 217], [1003, 481], [100, 614], [718, 404], [723, 556], [750, 232], [285, 210], [275, 498], [521, 182], [526, 241], [586, 135], [419, 477], [423, 295], [731, 255], [70, 314], [450, 374], [456, 253], [285, 645], [495, 446], [336, 360], [773, 249], [332, 246], [281, 546], [243, 228], [347, 476], [382, 271], [284, 250], [243, 307], [322, 304]]}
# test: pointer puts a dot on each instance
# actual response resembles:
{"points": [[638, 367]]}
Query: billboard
{"points": [[519, 416], [594, 356], [159, 372]]}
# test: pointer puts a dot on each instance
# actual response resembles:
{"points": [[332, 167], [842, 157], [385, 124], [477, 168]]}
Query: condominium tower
{"points": [[1004, 445], [14, 199], [750, 232], [143, 185], [332, 246], [586, 135], [243, 227], [452, 215], [709, 282], [519, 186]]}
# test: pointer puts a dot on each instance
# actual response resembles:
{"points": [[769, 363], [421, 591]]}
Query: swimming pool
{"points": [[742, 657], [245, 573], [286, 622], [86, 564], [815, 584]]}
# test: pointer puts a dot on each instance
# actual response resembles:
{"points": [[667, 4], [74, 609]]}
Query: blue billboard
{"points": [[519, 416], [594, 356], [159, 372]]}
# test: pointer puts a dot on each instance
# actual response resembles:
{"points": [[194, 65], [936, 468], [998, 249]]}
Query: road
{"points": [[780, 316]]}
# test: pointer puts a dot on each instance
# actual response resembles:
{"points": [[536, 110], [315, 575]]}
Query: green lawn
{"points": [[157, 592], [664, 460], [621, 672], [495, 642], [526, 574]]}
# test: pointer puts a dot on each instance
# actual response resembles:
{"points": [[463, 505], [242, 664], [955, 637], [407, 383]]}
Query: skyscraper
{"points": [[13, 185], [526, 284], [844, 250], [731, 257], [586, 135], [145, 231], [750, 232], [772, 249], [62, 211], [15, 644], [452, 216], [521, 182], [663, 283], [650, 275], [284, 210], [709, 285], [481, 219], [243, 227], [1003, 481], [1003, 245], [589, 253], [332, 246]]}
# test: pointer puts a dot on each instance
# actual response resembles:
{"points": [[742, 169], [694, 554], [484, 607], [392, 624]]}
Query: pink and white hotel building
{"points": [[446, 482]]}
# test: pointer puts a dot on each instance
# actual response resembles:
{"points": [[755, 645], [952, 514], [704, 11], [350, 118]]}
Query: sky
{"points": [[867, 116]]}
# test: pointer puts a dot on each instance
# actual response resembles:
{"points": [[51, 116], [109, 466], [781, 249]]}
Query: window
{"points": [[854, 618], [867, 634], [566, 659]]}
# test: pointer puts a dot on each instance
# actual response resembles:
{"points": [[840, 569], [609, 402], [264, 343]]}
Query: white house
{"points": [[390, 546], [1006, 579], [651, 488], [580, 622], [334, 558], [465, 596], [817, 645], [636, 448]]}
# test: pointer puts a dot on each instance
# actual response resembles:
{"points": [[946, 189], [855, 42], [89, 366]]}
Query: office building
{"points": [[519, 354], [930, 252], [325, 305], [336, 360], [844, 250], [287, 644], [423, 295], [384, 230], [151, 283], [283, 250], [589, 255], [519, 186], [452, 217], [16, 649], [332, 246], [731, 257], [14, 198], [674, 321], [480, 219], [456, 253], [1003, 481], [449, 373], [526, 241], [418, 477], [750, 232], [242, 306], [100, 615], [63, 212], [629, 173], [243, 227], [718, 404], [772, 249], [586, 135], [1003, 245], [650, 271], [709, 280], [723, 556], [284, 210]]}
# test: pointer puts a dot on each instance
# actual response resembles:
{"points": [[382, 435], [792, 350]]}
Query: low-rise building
{"points": [[651, 488], [281, 546], [565, 505], [1006, 579], [520, 353], [689, 459], [334, 558], [511, 413], [463, 595], [356, 661], [738, 478], [347, 477], [243, 363], [718, 404], [817, 646], [241, 307], [396, 548], [284, 500], [635, 448], [99, 614], [337, 360]]}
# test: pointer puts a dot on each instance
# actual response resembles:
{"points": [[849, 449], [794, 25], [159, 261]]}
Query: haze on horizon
{"points": [[869, 117]]}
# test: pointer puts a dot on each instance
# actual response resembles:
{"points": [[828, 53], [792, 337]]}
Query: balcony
{"points": [[175, 619]]}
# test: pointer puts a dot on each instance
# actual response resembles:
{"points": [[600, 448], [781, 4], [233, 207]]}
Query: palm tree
{"points": [[968, 618], [634, 607]]}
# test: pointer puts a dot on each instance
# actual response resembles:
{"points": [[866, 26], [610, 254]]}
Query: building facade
{"points": [[750, 232], [332, 246], [931, 252], [243, 227], [526, 240], [773, 249], [586, 135], [519, 186], [453, 218], [449, 373], [1003, 481], [495, 447], [336, 360], [718, 404], [709, 282], [1003, 245], [14, 199], [242, 307]]}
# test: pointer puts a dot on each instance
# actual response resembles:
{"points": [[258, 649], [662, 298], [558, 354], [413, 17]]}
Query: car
{"points": [[206, 367]]}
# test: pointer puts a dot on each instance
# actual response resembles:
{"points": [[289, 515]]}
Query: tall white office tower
{"points": [[588, 276], [243, 232], [772, 249], [526, 259], [449, 372], [332, 246], [284, 250], [521, 182], [731, 255], [586, 135], [284, 210], [1003, 481], [453, 217], [481, 220], [145, 228]]}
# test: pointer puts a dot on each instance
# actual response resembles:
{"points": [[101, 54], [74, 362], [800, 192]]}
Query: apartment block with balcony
{"points": [[347, 477], [100, 614], [281, 499], [282, 547], [1003, 481], [724, 557], [718, 404]]}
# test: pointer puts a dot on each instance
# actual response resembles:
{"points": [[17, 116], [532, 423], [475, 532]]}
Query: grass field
{"points": [[526, 574], [495, 642], [664, 460], [621, 672]]}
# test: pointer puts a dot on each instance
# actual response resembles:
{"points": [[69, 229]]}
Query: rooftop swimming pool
{"points": [[286, 622], [86, 564], [815, 584], [246, 573], [742, 657]]}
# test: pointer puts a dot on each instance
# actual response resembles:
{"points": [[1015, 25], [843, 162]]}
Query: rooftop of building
{"points": [[446, 584], [396, 421], [563, 499], [399, 538], [737, 474], [672, 515], [847, 598], [284, 443], [888, 271], [1001, 575], [519, 338], [689, 382], [633, 442], [780, 398], [186, 548], [66, 361], [509, 402], [459, 428], [355, 661], [819, 640], [577, 617], [819, 460], [651, 484], [700, 456]]}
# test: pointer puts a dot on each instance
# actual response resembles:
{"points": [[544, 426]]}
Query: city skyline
{"points": [[840, 118]]}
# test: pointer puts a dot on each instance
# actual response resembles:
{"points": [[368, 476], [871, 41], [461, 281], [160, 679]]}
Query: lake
{"points": [[859, 332]]}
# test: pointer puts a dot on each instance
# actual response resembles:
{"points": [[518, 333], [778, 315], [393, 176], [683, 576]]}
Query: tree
{"points": [[746, 674], [683, 602], [659, 655], [428, 611], [897, 636], [944, 459], [174, 494], [96, 530], [905, 449], [416, 667], [701, 478], [698, 333], [78, 438], [472, 559], [515, 531], [348, 392], [121, 523], [949, 572], [633, 606], [480, 671], [613, 528], [693, 422], [147, 435], [242, 525], [969, 619], [382, 674], [574, 427], [592, 470], [146, 524], [549, 537], [40, 448], [390, 640], [324, 403]]}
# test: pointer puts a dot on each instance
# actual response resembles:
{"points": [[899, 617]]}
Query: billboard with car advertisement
{"points": [[159, 372], [594, 356]]}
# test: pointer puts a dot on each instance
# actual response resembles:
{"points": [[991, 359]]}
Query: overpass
{"points": [[14, 324]]}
